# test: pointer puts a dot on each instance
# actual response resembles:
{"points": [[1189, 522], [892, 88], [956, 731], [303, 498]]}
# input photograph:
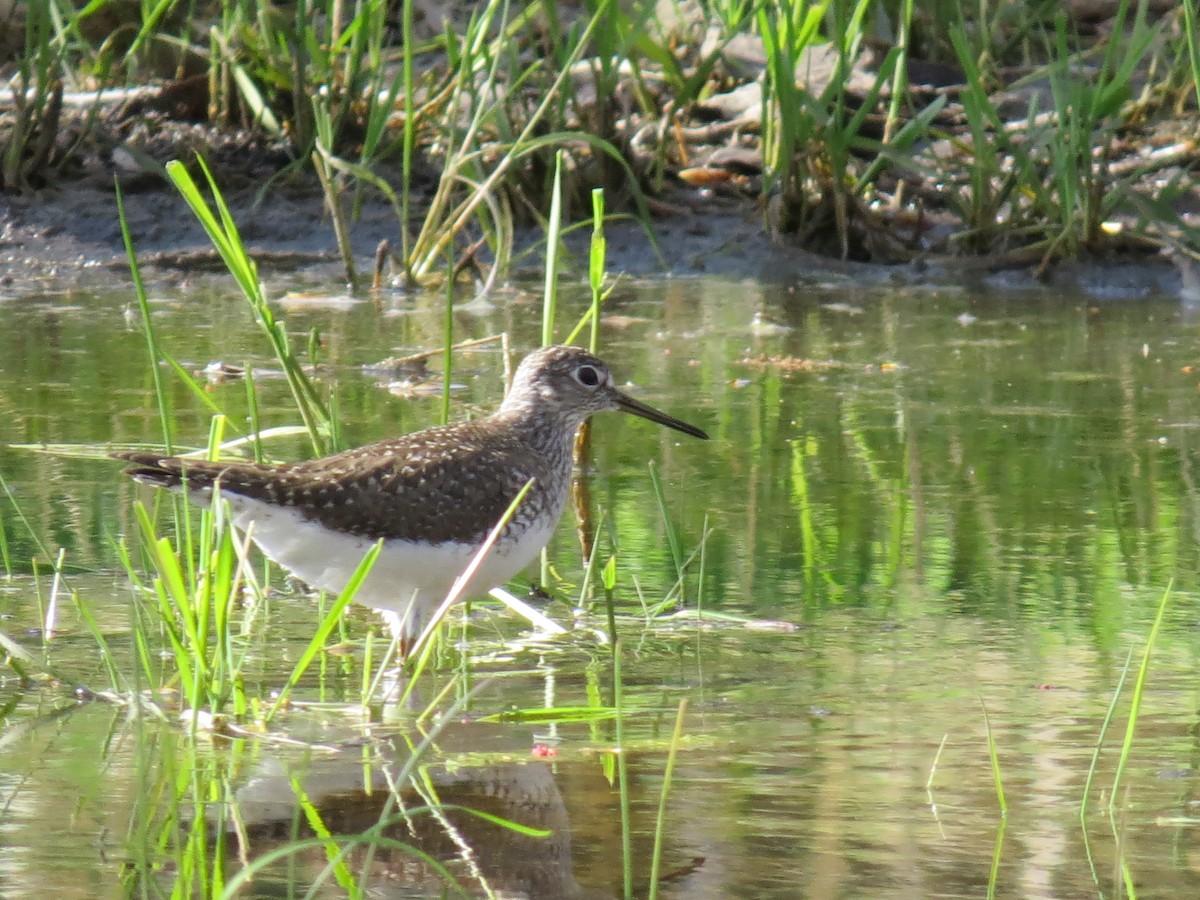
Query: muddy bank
{"points": [[70, 236]]}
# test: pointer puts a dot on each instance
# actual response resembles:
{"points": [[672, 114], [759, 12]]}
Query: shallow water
{"points": [[928, 504]]}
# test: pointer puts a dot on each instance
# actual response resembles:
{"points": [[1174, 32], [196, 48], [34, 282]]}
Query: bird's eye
{"points": [[588, 376]]}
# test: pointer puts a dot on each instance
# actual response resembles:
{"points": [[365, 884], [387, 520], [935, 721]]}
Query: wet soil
{"points": [[70, 235], [709, 217], [67, 232]]}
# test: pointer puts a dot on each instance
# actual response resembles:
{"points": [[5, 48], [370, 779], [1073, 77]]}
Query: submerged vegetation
{"points": [[888, 131]]}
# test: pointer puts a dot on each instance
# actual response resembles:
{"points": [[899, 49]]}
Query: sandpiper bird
{"points": [[431, 496]]}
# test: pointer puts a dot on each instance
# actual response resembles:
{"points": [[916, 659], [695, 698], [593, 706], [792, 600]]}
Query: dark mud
{"points": [[69, 236], [67, 233]]}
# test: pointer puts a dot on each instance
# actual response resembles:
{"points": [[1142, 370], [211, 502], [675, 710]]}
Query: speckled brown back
{"points": [[443, 484]]}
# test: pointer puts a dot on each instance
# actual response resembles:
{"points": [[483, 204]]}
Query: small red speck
{"points": [[541, 751], [1045, 687]]}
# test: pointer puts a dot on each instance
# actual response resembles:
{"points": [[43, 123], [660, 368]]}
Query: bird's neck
{"points": [[546, 433]]}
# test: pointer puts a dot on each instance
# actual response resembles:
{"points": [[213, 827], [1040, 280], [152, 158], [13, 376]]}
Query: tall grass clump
{"points": [[31, 150], [815, 137], [205, 599], [350, 101], [195, 588], [199, 580], [1049, 184], [324, 77], [492, 135], [459, 129]]}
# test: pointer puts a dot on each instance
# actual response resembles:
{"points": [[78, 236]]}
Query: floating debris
{"points": [[794, 364], [762, 326], [218, 372], [411, 367], [848, 309]]}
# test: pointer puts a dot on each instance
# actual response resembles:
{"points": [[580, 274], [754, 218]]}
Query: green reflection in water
{"points": [[951, 508]]}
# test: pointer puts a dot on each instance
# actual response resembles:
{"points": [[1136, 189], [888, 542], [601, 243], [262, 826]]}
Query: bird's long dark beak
{"points": [[629, 405]]}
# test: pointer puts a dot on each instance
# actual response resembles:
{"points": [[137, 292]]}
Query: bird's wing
{"points": [[437, 485]]}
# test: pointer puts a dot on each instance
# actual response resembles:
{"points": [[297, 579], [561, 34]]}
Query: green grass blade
{"points": [[550, 292], [160, 394], [5, 559], [660, 820], [1135, 703], [317, 643], [226, 239], [1092, 768], [1191, 24], [994, 756], [672, 538]]}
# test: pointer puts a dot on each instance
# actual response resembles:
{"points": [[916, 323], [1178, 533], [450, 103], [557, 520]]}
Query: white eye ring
{"points": [[588, 376]]}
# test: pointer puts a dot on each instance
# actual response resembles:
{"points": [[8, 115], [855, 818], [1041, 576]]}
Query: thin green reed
{"points": [[5, 559], [36, 537], [1135, 703], [1191, 22], [660, 820], [550, 292], [596, 270], [596, 263], [409, 140], [325, 629], [609, 578], [447, 336], [152, 16], [553, 233], [673, 543], [900, 73], [336, 863], [141, 624], [322, 159], [421, 651], [222, 230], [994, 756], [623, 793], [1105, 724], [997, 856], [135, 272]]}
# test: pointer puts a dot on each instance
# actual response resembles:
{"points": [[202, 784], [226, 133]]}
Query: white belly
{"points": [[404, 570]]}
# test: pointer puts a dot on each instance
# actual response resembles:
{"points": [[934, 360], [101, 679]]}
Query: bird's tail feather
{"points": [[164, 472]]}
